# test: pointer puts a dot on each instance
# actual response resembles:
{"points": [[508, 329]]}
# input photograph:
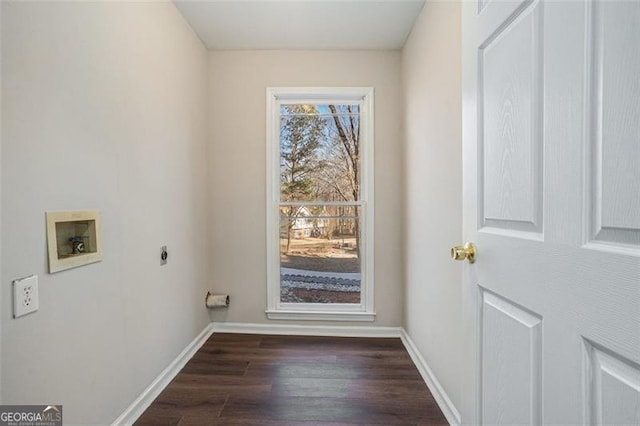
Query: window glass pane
{"points": [[320, 152], [318, 109], [320, 254]]}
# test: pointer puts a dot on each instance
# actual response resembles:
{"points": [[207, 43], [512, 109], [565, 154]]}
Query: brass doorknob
{"points": [[467, 251]]}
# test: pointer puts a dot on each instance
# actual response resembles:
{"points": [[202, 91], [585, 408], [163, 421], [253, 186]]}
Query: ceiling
{"points": [[301, 24]]}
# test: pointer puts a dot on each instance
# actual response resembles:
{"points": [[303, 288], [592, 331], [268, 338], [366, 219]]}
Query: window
{"points": [[320, 203]]}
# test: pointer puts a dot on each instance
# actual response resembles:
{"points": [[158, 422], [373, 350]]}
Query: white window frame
{"points": [[364, 311]]}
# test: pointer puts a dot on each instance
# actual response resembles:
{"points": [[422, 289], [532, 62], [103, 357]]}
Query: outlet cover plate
{"points": [[25, 296]]}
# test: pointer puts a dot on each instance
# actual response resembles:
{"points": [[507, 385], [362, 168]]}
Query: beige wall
{"points": [[104, 106], [237, 161], [431, 73], [1, 304]]}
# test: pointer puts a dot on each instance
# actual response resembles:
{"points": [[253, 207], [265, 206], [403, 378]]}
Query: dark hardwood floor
{"points": [[243, 379]]}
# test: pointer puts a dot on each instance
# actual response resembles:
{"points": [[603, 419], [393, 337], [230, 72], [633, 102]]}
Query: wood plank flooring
{"points": [[243, 379]]}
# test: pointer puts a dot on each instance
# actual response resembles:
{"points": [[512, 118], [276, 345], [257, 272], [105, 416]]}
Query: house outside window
{"points": [[320, 204]]}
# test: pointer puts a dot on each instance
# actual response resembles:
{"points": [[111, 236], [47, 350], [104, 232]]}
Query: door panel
{"points": [[613, 394], [614, 128], [511, 360], [510, 145], [551, 99]]}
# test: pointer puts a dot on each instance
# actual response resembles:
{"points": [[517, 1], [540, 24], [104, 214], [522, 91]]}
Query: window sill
{"points": [[321, 316]]}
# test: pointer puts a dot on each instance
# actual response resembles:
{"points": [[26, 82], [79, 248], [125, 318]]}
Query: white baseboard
{"points": [[137, 407], [444, 402], [306, 330]]}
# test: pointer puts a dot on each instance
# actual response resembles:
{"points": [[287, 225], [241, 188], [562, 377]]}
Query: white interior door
{"points": [[551, 98]]}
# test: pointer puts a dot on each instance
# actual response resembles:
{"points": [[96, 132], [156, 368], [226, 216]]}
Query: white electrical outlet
{"points": [[25, 296]]}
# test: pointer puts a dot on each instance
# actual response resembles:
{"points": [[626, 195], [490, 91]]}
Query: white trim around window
{"points": [[363, 96]]}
